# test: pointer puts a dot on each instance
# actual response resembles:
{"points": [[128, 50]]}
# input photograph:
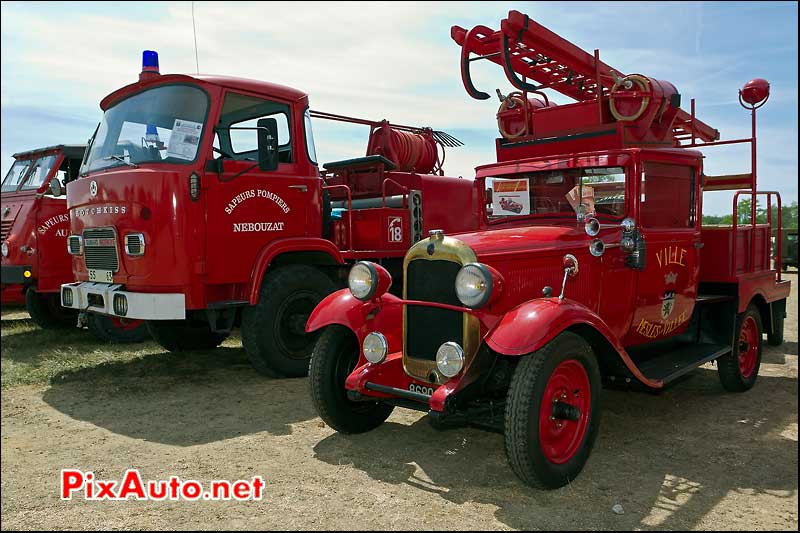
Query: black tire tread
{"points": [[254, 317], [43, 315], [728, 365], [519, 405], [104, 330], [337, 414]]}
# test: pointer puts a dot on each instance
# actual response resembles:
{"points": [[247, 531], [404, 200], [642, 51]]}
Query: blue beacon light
{"points": [[149, 61]]}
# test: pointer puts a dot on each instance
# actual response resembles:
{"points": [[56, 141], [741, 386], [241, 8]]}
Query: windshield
{"points": [[585, 191], [15, 175], [41, 169], [163, 124]]}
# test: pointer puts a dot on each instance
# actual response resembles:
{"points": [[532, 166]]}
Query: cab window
{"points": [[16, 174], [668, 196], [38, 174], [241, 111], [589, 191]]}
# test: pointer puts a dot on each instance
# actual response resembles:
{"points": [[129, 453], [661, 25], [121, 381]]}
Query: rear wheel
{"points": [[738, 369], [553, 412], [335, 357], [273, 330], [776, 337], [117, 330], [184, 335], [46, 310]]}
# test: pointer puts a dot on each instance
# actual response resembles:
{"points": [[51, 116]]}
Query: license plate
{"points": [[427, 391], [104, 276]]}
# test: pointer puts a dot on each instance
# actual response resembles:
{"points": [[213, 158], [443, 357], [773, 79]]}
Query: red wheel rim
{"points": [[748, 347], [564, 412], [125, 324]]}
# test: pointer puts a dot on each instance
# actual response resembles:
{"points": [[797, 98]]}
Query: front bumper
{"points": [[99, 298], [14, 275]]}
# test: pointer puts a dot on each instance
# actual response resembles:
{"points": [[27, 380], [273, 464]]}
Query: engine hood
{"points": [[510, 241]]}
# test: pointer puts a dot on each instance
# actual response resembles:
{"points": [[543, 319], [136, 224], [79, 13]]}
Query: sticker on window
{"points": [[511, 198], [185, 139]]}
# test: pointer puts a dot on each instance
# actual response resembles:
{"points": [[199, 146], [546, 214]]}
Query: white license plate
{"points": [[104, 276]]}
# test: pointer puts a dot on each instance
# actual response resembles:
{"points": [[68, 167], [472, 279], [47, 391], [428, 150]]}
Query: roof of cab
{"points": [[74, 151], [243, 84]]}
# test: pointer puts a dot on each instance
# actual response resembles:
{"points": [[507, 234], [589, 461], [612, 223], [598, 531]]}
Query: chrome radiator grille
{"points": [[100, 249]]}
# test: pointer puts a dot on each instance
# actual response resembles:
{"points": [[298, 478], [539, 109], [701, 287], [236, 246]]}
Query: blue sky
{"points": [[397, 61]]}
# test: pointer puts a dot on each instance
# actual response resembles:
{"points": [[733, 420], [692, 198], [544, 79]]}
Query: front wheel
{"points": [[184, 335], [274, 330], [553, 412], [738, 369], [335, 357], [117, 330], [46, 311]]}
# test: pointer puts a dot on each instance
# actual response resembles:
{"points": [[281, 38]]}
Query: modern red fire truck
{"points": [[35, 225], [200, 206], [516, 326]]}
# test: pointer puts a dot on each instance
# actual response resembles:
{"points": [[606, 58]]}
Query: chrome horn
{"points": [[593, 226], [597, 247]]}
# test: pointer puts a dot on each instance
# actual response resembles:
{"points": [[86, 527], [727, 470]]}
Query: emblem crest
{"points": [[668, 304], [93, 188]]}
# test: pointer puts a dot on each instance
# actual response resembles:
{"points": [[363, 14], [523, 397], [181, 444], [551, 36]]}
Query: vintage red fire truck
{"points": [[200, 206], [35, 225], [516, 326]]}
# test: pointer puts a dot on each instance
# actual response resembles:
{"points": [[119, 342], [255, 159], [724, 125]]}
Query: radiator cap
{"points": [[437, 234]]}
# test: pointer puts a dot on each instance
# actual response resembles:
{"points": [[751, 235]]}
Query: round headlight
{"points": [[449, 359], [363, 280], [4, 249], [375, 347], [474, 285]]}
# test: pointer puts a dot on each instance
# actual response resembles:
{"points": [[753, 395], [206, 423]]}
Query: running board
{"points": [[678, 361]]}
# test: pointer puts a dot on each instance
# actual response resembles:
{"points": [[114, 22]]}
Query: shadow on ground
{"points": [[668, 459], [181, 399]]}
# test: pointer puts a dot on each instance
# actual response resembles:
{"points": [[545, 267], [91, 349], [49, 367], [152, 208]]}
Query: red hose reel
{"points": [[410, 151]]}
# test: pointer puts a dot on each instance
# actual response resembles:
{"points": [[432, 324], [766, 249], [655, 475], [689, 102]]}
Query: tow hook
{"points": [[83, 319]]}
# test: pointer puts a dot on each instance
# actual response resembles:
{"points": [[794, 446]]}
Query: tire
{"points": [[273, 330], [117, 330], [184, 335], [335, 356], [738, 369], [541, 452], [46, 310], [776, 338]]}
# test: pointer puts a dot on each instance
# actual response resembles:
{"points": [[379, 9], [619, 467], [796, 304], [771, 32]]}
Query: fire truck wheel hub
{"points": [[564, 412], [748, 347]]}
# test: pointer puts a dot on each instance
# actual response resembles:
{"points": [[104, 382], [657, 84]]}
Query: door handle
{"points": [[699, 244], [302, 188]]}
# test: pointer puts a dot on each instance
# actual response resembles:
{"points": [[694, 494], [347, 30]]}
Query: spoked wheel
{"points": [[335, 357], [738, 369], [117, 330], [553, 412]]}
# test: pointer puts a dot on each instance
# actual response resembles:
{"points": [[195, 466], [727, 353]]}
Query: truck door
{"points": [[669, 222], [247, 208]]}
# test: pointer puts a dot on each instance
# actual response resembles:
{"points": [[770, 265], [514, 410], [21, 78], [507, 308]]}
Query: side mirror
{"points": [[55, 188], [267, 144]]}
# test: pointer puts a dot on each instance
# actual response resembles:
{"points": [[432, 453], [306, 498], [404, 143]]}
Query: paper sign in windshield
{"points": [[511, 197], [185, 139]]}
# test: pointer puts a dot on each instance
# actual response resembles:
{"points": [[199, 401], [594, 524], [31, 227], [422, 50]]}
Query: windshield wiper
{"points": [[121, 160]]}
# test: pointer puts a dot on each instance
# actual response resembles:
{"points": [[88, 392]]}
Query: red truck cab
{"points": [[591, 267], [201, 207], [35, 225]]}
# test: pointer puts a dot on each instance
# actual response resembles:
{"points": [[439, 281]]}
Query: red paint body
{"points": [[193, 246], [621, 310], [35, 226]]}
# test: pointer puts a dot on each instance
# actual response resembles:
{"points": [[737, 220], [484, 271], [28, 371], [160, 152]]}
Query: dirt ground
{"points": [[692, 457]]}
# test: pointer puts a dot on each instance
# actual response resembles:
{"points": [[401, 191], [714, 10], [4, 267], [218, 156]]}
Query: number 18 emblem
{"points": [[395, 229]]}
